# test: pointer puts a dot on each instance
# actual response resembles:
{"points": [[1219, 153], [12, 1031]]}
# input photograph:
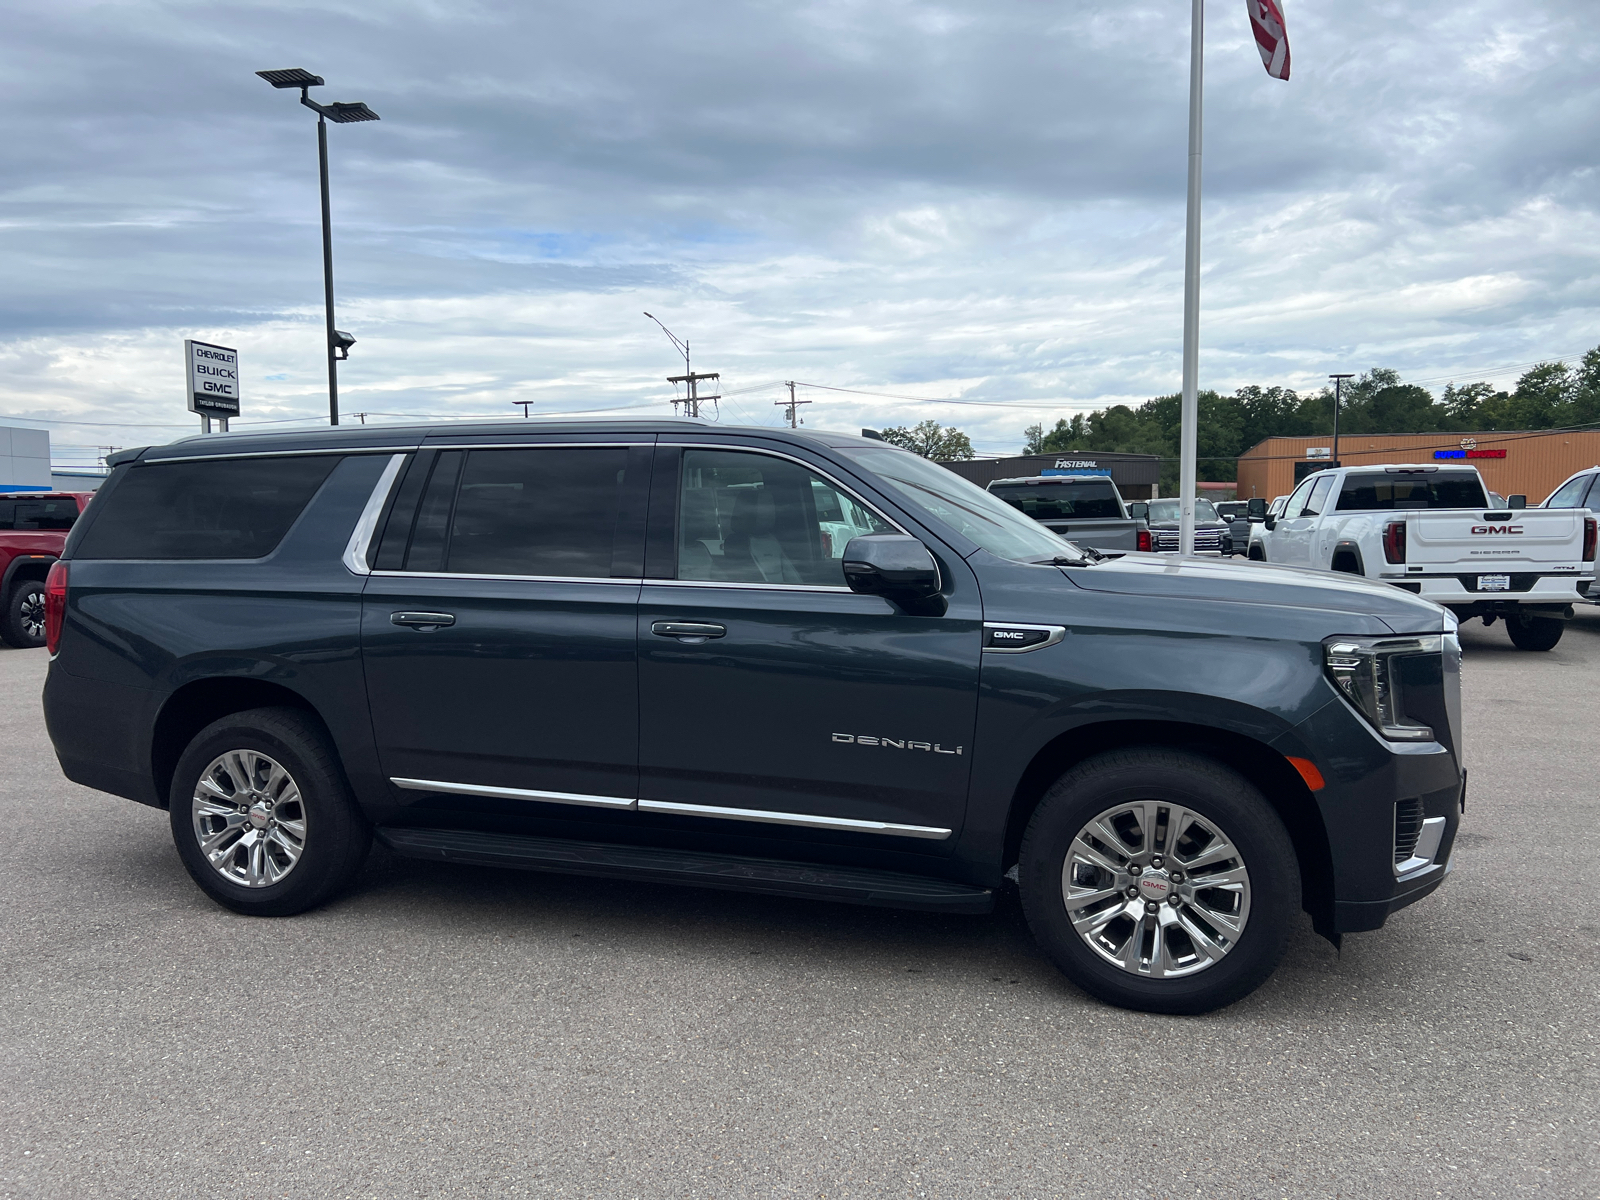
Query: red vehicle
{"points": [[33, 529]]}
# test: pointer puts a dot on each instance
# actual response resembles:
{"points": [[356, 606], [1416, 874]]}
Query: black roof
{"points": [[405, 437]]}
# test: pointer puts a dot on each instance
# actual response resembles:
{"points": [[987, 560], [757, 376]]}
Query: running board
{"points": [[847, 885]]}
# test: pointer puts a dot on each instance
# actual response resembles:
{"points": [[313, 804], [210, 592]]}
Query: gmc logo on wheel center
{"points": [[1513, 529]]}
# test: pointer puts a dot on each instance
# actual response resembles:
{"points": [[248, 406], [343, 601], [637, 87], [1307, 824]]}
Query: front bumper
{"points": [[1376, 794]]}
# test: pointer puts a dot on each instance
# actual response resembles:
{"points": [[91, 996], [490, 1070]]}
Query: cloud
{"points": [[980, 200]]}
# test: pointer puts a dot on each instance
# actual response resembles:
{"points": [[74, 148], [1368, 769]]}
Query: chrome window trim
{"points": [[506, 793], [534, 445], [1056, 632], [355, 552], [156, 462], [754, 587], [804, 820], [509, 578]]}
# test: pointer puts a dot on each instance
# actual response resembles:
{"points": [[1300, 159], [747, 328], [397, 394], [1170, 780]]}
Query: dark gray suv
{"points": [[788, 662]]}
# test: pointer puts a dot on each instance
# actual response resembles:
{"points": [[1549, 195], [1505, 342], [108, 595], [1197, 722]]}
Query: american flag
{"points": [[1272, 37]]}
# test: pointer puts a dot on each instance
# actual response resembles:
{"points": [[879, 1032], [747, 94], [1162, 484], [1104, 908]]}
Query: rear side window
{"points": [[1058, 501], [228, 508], [52, 512], [1442, 489], [550, 511]]}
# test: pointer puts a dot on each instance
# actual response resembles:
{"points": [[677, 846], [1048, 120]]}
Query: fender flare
{"points": [[1347, 544], [22, 560]]}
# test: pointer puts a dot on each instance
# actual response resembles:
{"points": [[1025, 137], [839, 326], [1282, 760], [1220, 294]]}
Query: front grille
{"points": [[1519, 583], [1407, 827], [1206, 539]]}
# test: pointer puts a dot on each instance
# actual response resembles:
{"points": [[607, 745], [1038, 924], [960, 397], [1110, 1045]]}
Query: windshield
{"points": [[965, 507], [1167, 510], [1431, 489], [1057, 501]]}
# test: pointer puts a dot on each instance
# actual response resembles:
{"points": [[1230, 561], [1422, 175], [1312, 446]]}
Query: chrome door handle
{"points": [[423, 621], [691, 632]]}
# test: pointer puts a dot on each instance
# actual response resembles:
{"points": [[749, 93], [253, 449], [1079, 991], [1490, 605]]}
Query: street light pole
{"points": [[1189, 404], [1338, 393], [341, 113]]}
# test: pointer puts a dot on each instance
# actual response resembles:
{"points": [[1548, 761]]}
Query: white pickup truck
{"points": [[1431, 530]]}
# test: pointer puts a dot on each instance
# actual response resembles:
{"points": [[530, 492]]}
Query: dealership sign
{"points": [[1076, 466], [213, 379]]}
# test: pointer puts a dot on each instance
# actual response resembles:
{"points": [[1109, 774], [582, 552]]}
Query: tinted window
{"points": [[752, 518], [1298, 498], [963, 506], [1057, 501], [52, 512], [550, 511], [1567, 495], [1436, 489], [234, 508], [1317, 502], [1167, 510]]}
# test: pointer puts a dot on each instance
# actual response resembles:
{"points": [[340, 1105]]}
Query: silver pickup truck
{"points": [[1086, 509]]}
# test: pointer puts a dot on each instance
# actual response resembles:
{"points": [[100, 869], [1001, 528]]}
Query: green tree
{"points": [[932, 440]]}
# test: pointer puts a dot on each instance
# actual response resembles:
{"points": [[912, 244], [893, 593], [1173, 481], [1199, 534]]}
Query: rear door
{"points": [[773, 697], [498, 628]]}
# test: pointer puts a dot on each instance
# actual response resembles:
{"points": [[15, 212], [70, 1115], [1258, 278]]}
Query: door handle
{"points": [[690, 632], [423, 621]]}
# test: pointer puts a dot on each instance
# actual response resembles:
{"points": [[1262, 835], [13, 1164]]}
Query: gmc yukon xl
{"points": [[779, 661]]}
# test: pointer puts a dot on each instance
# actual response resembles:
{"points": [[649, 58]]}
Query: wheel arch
{"points": [[1346, 548], [25, 566], [201, 701], [1263, 766]]}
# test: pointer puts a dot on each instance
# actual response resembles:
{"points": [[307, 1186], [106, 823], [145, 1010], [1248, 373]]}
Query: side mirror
{"points": [[1269, 522], [1515, 502], [892, 565], [1256, 509], [1140, 510]]}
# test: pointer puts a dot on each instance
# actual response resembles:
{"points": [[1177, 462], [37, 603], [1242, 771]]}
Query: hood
{"points": [[1259, 583]]}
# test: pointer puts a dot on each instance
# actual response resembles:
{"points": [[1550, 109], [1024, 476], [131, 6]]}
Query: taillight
{"points": [[1394, 542], [1588, 539], [55, 604], [1145, 544]]}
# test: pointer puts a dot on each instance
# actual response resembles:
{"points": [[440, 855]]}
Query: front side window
{"points": [[225, 508], [1567, 494], [1317, 502], [546, 511], [1298, 498], [753, 518], [977, 515]]}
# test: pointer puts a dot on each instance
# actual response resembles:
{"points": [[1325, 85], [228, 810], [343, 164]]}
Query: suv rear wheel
{"points": [[262, 816], [22, 622], [1159, 880]]}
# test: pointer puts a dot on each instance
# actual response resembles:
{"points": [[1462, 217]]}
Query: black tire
{"points": [[1217, 795], [1532, 633], [22, 622], [334, 836]]}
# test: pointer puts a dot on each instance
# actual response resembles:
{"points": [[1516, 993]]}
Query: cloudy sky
{"points": [[978, 202]]}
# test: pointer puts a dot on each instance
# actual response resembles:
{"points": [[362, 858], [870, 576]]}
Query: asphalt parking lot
{"points": [[446, 1031]]}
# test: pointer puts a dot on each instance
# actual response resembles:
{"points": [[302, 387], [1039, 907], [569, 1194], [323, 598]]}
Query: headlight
{"points": [[1372, 673]]}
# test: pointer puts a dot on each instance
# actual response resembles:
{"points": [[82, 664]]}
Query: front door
{"points": [[500, 650], [774, 699]]}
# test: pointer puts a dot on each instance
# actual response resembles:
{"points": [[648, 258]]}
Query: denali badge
{"points": [[896, 743]]}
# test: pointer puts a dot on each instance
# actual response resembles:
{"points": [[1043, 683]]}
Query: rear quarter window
{"points": [[228, 508]]}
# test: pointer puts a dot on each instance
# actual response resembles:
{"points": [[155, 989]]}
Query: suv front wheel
{"points": [[1159, 880], [262, 816]]}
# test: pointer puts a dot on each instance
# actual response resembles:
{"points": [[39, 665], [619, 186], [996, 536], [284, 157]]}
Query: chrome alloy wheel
{"points": [[249, 818], [1156, 889], [31, 615]]}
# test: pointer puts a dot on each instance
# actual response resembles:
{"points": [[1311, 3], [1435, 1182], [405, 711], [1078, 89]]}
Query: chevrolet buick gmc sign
{"points": [[213, 379]]}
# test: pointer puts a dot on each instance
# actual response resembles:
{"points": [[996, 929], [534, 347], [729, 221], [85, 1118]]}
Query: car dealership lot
{"points": [[453, 1031]]}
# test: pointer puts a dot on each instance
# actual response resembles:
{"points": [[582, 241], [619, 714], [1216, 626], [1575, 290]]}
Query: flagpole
{"points": [[1189, 410]]}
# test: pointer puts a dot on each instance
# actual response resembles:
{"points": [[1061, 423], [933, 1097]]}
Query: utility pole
{"points": [[690, 377], [1338, 392], [791, 404]]}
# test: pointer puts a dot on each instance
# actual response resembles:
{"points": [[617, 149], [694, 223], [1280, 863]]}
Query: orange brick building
{"points": [[1531, 463]]}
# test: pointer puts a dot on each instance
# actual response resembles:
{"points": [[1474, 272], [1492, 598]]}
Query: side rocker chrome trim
{"points": [[844, 824], [505, 793]]}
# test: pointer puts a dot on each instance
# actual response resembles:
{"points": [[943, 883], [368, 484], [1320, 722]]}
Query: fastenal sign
{"points": [[213, 379]]}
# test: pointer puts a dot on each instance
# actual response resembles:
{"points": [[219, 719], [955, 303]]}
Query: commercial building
{"points": [[1136, 475], [24, 459], [1531, 463]]}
